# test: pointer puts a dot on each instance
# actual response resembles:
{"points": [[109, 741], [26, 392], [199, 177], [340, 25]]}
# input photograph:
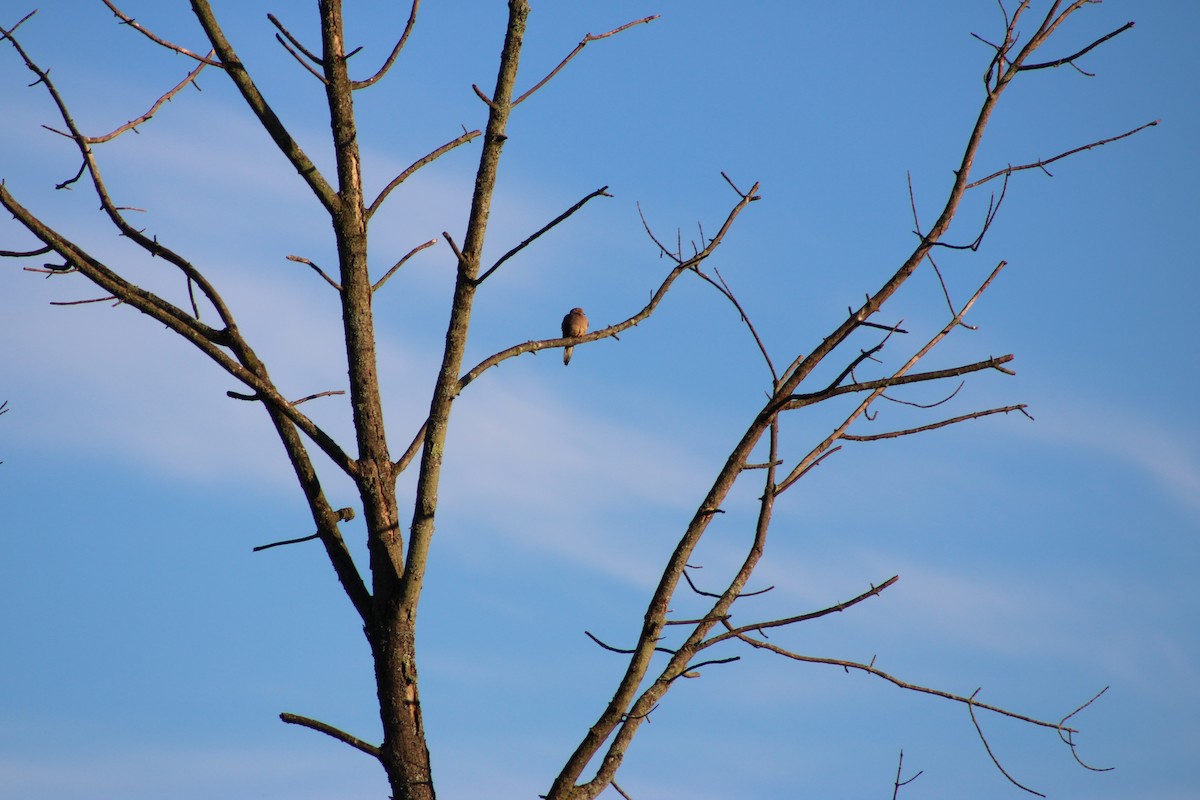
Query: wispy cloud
{"points": [[199, 772], [1168, 456]]}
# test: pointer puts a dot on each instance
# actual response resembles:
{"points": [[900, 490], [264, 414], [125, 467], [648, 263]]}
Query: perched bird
{"points": [[574, 324]]}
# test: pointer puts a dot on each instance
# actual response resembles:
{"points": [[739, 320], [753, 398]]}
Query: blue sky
{"points": [[147, 651]]}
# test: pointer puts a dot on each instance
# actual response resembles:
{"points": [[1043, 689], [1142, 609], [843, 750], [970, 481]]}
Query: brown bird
{"points": [[574, 324]]}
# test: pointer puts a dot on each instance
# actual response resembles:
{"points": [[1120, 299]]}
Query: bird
{"points": [[574, 324]]}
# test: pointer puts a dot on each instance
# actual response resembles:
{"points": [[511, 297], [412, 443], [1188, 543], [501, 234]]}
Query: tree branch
{"points": [[387, 65], [988, 748], [258, 104], [403, 176], [132, 124], [1042, 163], [776, 623], [379, 283], [611, 331], [131, 22], [601, 192], [1071, 58], [329, 730], [871, 669], [583, 43], [934, 426]]}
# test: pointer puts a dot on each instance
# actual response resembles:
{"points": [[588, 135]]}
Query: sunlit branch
{"points": [[583, 43], [316, 269], [132, 124], [329, 730], [387, 64], [379, 283], [131, 22], [262, 110], [1041, 164], [403, 176]]}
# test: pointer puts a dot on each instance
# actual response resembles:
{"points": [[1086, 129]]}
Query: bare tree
{"points": [[386, 594]]}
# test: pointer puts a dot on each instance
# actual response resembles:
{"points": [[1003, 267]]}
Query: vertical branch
{"points": [[447, 386], [349, 215]]}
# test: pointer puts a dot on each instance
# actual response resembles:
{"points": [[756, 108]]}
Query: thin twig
{"points": [[41, 251], [703, 593], [933, 426], [343, 514], [1041, 164], [988, 747], [308, 538], [311, 70], [191, 77], [871, 669], [934, 404], [723, 288], [898, 783], [416, 165], [601, 192], [84, 302], [131, 22], [583, 43], [375, 287], [318, 270], [387, 65], [314, 58], [1069, 59], [328, 393], [1069, 740], [329, 730], [612, 649], [620, 791], [776, 623]]}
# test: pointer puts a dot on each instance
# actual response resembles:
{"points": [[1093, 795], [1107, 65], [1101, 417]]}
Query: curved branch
{"points": [[724, 289], [583, 43], [988, 748], [934, 426], [391, 59], [611, 331], [191, 77], [131, 22]]}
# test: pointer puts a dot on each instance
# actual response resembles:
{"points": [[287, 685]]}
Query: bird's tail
{"points": [[567, 351]]}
